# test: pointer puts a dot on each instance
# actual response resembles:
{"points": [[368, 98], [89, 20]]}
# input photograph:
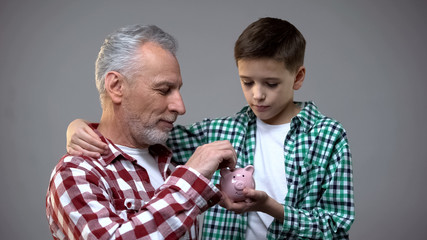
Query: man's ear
{"points": [[114, 86], [299, 78]]}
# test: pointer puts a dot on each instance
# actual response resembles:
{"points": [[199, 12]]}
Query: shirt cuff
{"points": [[197, 187], [291, 220]]}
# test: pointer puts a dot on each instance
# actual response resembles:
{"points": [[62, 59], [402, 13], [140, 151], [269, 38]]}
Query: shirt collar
{"points": [[158, 151], [305, 119]]}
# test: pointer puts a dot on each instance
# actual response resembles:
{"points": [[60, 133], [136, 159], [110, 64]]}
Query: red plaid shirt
{"points": [[112, 198]]}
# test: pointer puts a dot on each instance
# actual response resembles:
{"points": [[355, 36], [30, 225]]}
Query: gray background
{"points": [[365, 67]]}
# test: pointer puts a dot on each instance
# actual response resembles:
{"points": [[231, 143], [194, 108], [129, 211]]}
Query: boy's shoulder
{"points": [[311, 118]]}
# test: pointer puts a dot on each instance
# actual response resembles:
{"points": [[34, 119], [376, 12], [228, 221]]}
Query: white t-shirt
{"points": [[144, 159], [269, 174]]}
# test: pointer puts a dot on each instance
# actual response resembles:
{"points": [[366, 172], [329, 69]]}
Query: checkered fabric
{"points": [[112, 198], [320, 201]]}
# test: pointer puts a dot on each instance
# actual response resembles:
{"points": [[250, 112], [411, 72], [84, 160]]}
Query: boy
{"points": [[303, 169]]}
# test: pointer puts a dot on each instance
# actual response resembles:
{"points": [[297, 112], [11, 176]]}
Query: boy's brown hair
{"points": [[272, 38]]}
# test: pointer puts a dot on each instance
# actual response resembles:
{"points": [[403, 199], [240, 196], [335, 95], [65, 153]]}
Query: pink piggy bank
{"points": [[233, 182]]}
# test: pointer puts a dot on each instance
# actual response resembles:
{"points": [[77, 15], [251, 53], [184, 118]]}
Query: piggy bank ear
{"points": [[250, 169], [224, 171]]}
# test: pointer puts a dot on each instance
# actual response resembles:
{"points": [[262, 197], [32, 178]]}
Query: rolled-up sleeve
{"points": [[79, 206]]}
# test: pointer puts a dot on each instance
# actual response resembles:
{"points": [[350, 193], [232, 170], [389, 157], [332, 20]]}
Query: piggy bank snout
{"points": [[239, 185], [233, 182]]}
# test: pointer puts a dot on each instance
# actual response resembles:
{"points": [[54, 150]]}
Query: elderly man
{"points": [[131, 191]]}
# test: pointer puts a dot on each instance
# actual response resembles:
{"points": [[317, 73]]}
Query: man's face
{"points": [[152, 101], [268, 88]]}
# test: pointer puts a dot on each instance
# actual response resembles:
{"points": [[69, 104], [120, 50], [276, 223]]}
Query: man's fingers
{"points": [[229, 157], [227, 162], [213, 156]]}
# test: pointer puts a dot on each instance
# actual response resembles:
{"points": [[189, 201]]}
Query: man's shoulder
{"points": [[76, 170], [69, 162]]}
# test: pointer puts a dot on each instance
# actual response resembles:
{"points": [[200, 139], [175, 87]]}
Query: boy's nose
{"points": [[257, 93]]}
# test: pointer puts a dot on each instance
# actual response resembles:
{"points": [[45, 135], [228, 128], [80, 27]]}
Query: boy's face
{"points": [[269, 89]]}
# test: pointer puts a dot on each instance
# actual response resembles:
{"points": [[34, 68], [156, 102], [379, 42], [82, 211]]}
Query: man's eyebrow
{"points": [[166, 83]]}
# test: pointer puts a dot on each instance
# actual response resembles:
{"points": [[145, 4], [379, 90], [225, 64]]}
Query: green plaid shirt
{"points": [[320, 201]]}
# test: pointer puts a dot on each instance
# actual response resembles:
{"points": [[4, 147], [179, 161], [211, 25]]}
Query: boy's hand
{"points": [[254, 201], [82, 140], [258, 201]]}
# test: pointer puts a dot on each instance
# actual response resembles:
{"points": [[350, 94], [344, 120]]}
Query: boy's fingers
{"points": [[81, 152], [74, 152], [248, 192], [91, 154], [92, 138], [87, 146], [84, 148]]}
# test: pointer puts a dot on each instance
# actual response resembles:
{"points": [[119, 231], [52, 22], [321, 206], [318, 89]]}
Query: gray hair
{"points": [[118, 52]]}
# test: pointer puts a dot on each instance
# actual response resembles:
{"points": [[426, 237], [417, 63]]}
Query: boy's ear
{"points": [[114, 86], [299, 78]]}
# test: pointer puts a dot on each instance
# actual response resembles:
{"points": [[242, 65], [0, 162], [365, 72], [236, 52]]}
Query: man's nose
{"points": [[177, 104]]}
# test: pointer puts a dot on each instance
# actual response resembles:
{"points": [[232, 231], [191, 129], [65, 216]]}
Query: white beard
{"points": [[151, 136], [145, 131]]}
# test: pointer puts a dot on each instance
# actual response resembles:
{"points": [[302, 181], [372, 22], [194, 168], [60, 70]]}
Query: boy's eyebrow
{"points": [[271, 78], [263, 79]]}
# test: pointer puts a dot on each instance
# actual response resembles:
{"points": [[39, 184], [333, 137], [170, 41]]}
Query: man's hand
{"points": [[82, 140], [213, 156]]}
